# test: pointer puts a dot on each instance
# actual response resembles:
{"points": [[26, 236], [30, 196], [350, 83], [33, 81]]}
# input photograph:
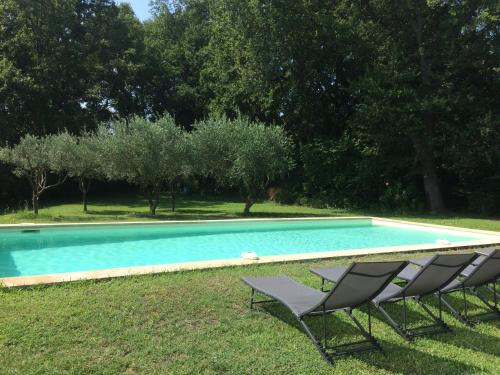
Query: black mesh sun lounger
{"points": [[356, 286], [484, 270], [437, 272]]}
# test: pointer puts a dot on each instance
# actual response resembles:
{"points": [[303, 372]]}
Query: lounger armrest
{"points": [[421, 261]]}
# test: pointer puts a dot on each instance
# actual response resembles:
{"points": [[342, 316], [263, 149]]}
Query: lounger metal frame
{"points": [[438, 326], [464, 315], [408, 334], [330, 352], [401, 328]]}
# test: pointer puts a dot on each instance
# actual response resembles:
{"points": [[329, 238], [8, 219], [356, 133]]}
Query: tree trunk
{"points": [[84, 186], [423, 149], [34, 202], [172, 195], [152, 206], [430, 176], [154, 201], [84, 198], [248, 203]]}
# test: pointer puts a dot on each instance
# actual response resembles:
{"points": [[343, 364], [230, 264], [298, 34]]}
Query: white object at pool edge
{"points": [[250, 255], [443, 242]]}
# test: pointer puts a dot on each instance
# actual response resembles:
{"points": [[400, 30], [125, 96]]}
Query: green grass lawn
{"points": [[200, 322], [134, 208]]}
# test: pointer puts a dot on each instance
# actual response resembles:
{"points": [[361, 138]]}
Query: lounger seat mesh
{"points": [[297, 297], [332, 274], [454, 285], [390, 291]]}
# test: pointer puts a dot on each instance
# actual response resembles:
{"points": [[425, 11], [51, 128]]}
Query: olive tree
{"points": [[85, 163], [37, 158], [151, 155], [243, 154]]}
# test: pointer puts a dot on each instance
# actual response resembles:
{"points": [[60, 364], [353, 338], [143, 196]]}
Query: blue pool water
{"points": [[58, 250]]}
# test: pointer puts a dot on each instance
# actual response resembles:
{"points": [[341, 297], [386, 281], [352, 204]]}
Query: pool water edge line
{"points": [[374, 219], [26, 281], [166, 222]]}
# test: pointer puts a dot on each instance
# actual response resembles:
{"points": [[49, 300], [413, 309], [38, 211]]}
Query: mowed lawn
{"points": [[200, 322], [134, 208]]}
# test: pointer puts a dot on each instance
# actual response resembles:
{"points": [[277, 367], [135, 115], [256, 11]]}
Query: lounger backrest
{"points": [[360, 283], [440, 270], [486, 271]]}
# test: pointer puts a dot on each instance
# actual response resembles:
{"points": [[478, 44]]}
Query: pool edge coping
{"points": [[24, 281]]}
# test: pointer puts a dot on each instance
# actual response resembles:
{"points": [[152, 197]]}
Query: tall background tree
{"points": [[389, 103], [175, 39], [420, 97], [66, 65]]}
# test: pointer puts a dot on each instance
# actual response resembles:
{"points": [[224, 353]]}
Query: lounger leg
{"points": [[484, 300], [316, 343], [329, 352], [495, 294], [440, 306], [402, 332], [438, 321], [366, 334], [405, 326], [370, 319], [456, 313], [253, 300], [493, 290], [465, 302], [324, 326]]}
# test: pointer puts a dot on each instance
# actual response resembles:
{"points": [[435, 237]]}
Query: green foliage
{"points": [[152, 155], [414, 82], [338, 175], [86, 157], [242, 154], [214, 142], [66, 64], [35, 158], [86, 163], [175, 41], [44, 154], [419, 102]]}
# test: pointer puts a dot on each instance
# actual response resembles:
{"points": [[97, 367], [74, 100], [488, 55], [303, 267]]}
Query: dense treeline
{"points": [[156, 156], [389, 103]]}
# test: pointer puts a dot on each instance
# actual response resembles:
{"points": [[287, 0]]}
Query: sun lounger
{"points": [[436, 272], [485, 270], [356, 286]]}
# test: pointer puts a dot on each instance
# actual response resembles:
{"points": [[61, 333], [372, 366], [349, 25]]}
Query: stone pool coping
{"points": [[492, 239]]}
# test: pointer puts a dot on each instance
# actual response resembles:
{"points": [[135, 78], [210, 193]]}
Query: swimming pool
{"points": [[46, 250]]}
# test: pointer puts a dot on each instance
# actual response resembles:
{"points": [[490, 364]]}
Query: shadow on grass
{"points": [[193, 211], [474, 304], [342, 330], [459, 331], [138, 201]]}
